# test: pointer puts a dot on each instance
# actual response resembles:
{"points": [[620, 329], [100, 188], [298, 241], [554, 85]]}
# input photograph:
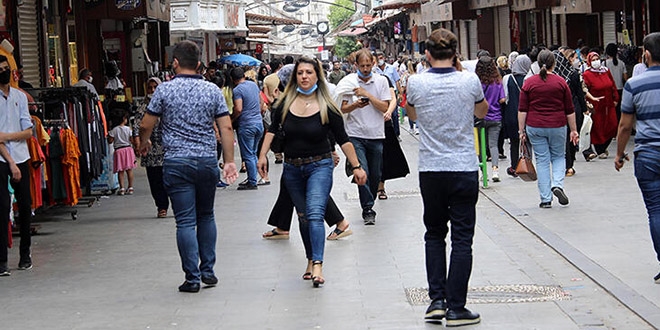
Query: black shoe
{"points": [[369, 217], [248, 187], [25, 265], [502, 156], [210, 280], [589, 155], [4, 270], [545, 205], [656, 279], [436, 311], [278, 161], [244, 182], [189, 287], [561, 195], [461, 317]]}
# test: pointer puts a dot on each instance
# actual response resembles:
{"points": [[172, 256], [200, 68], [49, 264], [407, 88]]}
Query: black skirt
{"points": [[394, 161]]}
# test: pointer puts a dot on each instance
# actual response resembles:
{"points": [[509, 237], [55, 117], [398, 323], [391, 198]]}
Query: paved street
{"points": [[117, 266]]}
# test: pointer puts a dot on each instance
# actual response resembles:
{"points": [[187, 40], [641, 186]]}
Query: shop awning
{"points": [[259, 29], [271, 20], [352, 32], [396, 4], [383, 17]]}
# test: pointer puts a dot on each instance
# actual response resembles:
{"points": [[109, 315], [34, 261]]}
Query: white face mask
{"points": [[90, 79], [595, 64], [381, 62], [576, 63]]}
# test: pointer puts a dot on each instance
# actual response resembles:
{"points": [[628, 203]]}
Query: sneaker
{"points": [[244, 183], [189, 287], [545, 205], [496, 174], [369, 217], [436, 311], [248, 187], [25, 265], [561, 196], [263, 182], [502, 156], [4, 270], [416, 131], [221, 184], [512, 172], [656, 279], [210, 280], [457, 318]]}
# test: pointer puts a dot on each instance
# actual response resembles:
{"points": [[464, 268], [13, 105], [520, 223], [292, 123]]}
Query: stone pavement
{"points": [[117, 266]]}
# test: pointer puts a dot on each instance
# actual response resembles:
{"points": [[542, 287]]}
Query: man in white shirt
{"points": [[366, 128], [15, 130]]}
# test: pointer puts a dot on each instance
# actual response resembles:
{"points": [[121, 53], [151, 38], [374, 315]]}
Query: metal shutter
{"points": [[609, 27], [28, 38], [474, 38], [503, 16]]}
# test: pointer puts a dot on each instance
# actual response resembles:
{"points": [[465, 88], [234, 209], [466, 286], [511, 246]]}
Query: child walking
{"points": [[124, 157]]}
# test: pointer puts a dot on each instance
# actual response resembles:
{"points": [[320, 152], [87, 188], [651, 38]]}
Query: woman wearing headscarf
{"points": [[604, 97], [564, 68], [514, 83], [546, 106], [153, 160]]}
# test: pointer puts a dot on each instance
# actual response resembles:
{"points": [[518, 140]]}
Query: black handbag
{"points": [[277, 145]]}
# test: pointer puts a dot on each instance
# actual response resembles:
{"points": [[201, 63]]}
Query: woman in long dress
{"points": [[604, 97]]}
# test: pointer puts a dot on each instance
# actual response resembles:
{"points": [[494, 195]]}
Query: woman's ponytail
{"points": [[546, 60], [544, 72]]}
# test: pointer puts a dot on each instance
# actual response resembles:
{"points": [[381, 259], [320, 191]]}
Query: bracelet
{"points": [[356, 167]]}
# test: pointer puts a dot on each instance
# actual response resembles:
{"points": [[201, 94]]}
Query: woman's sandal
{"points": [[162, 214], [308, 271], [274, 234], [121, 192], [338, 233], [382, 195], [130, 191], [317, 280], [570, 171]]}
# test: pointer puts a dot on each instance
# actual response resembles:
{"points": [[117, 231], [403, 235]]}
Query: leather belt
{"points": [[306, 160]]}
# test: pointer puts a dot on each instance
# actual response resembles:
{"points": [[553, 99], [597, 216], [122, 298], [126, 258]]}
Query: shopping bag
{"points": [[585, 133], [525, 168]]}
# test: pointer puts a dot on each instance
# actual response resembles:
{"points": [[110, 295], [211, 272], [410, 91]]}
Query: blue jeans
{"points": [[370, 156], [449, 197], [248, 142], [190, 183], [549, 146], [309, 186], [647, 171]]}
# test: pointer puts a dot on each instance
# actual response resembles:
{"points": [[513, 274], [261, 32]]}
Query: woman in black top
{"points": [[306, 114]]}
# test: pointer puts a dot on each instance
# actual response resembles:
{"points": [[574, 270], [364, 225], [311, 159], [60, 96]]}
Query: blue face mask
{"points": [[362, 75], [309, 91]]}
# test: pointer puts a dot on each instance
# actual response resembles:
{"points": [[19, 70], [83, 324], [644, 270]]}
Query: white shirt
{"points": [[15, 117], [367, 122]]}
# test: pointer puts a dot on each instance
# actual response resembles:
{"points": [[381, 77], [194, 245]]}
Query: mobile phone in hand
{"points": [[364, 99]]}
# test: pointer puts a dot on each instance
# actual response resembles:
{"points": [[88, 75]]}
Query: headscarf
{"points": [[285, 73], [155, 79], [521, 65], [590, 58], [563, 67], [512, 58]]}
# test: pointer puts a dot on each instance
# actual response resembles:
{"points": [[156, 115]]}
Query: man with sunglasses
{"points": [[15, 129]]}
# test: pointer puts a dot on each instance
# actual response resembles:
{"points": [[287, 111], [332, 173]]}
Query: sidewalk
{"points": [[117, 266]]}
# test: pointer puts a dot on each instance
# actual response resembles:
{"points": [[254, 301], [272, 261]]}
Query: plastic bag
{"points": [[585, 133]]}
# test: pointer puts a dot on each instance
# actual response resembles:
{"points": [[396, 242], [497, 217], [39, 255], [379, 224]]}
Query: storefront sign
{"points": [[572, 7], [521, 5], [231, 15], [128, 4]]}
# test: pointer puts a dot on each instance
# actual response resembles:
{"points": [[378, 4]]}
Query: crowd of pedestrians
{"points": [[301, 110]]}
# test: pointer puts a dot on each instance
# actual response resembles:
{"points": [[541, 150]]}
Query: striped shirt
{"points": [[641, 97]]}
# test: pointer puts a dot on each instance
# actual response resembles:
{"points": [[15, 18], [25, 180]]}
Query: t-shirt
{"points": [[444, 101], [638, 69], [188, 106], [367, 122], [493, 94], [248, 91], [617, 72], [271, 81], [121, 135], [335, 76], [547, 103], [641, 97]]}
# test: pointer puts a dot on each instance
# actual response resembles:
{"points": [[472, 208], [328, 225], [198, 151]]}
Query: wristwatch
{"points": [[356, 167]]}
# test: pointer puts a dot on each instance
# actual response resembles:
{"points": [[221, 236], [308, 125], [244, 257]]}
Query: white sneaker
{"points": [[496, 174], [416, 131]]}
